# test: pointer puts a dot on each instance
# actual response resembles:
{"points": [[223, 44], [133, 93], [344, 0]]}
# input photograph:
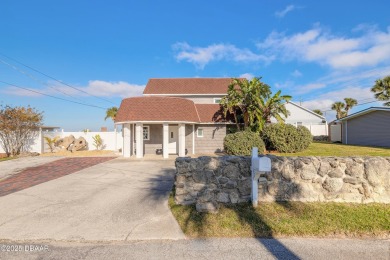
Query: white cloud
{"points": [[200, 56], [281, 14], [10, 90], [247, 76], [309, 88], [296, 74], [371, 48], [95, 87]]}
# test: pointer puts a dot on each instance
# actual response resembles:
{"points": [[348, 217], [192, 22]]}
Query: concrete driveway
{"points": [[117, 200]]}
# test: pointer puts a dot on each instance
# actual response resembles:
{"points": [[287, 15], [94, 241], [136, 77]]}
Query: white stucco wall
{"points": [[298, 114], [112, 140]]}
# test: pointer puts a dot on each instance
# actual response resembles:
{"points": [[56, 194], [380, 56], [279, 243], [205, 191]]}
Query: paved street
{"points": [[293, 248]]}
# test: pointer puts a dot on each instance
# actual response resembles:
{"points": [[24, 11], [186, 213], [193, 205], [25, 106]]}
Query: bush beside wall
{"points": [[241, 143]]}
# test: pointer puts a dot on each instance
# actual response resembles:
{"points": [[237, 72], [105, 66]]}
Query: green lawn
{"points": [[330, 149], [286, 219], [6, 158]]}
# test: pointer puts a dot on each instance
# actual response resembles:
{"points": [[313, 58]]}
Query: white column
{"points": [[165, 140], [193, 139], [41, 141], [182, 140], [115, 132], [126, 140], [140, 140]]}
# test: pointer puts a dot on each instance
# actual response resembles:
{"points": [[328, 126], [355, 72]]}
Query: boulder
{"points": [[79, 144], [65, 142], [333, 184]]}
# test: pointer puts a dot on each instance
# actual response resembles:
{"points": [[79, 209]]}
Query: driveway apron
{"points": [[115, 200]]}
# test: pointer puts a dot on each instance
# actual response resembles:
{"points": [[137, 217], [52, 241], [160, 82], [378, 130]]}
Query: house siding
{"points": [[156, 139], [204, 99], [212, 140], [370, 129]]}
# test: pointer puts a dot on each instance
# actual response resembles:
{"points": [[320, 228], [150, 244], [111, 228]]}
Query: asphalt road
{"points": [[292, 248]]}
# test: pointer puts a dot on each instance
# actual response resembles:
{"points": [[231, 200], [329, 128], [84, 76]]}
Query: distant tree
{"points": [[338, 107], [349, 104], [111, 113], [318, 112], [18, 126], [382, 90]]}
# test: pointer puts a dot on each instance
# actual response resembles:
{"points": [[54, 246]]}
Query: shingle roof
{"points": [[157, 109], [168, 109], [209, 113], [195, 86]]}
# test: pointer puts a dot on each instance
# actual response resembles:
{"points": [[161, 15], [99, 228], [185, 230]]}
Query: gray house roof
{"points": [[365, 111]]}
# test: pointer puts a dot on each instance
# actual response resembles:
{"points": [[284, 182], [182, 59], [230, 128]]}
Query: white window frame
{"points": [[197, 132], [215, 100], [148, 131]]}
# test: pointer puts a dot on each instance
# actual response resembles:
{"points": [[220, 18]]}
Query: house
{"points": [[367, 127], [182, 116]]}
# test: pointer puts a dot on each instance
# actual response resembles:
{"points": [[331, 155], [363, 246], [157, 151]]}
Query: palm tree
{"points": [[382, 90], [349, 104], [318, 112], [338, 107], [111, 113], [252, 99]]}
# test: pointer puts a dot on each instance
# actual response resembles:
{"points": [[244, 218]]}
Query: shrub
{"points": [[241, 143], [286, 138]]}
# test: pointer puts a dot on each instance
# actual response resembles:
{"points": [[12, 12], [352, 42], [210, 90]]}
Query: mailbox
{"points": [[259, 164], [264, 164]]}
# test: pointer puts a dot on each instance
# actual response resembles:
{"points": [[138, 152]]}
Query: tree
{"points": [[349, 103], [318, 112], [18, 126], [382, 90], [338, 107], [111, 113], [253, 101]]}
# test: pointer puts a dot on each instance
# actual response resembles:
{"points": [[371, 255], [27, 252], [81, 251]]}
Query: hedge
{"points": [[241, 143]]}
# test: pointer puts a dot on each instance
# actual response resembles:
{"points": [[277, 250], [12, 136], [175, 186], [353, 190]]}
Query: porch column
{"points": [[193, 139], [140, 140], [126, 140], [165, 140], [182, 140]]}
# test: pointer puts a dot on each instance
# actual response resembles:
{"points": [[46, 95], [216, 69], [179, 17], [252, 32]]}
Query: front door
{"points": [[173, 139]]}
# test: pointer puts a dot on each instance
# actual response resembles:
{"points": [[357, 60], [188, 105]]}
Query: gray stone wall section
{"points": [[208, 181], [212, 140], [370, 129], [156, 139]]}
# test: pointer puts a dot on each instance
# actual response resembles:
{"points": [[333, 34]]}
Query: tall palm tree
{"points": [[349, 104], [231, 103], [318, 112], [338, 107], [382, 90], [111, 113], [274, 106]]}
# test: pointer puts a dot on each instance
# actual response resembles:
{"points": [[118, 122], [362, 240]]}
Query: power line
{"points": [[63, 99], [59, 81], [34, 78], [357, 104]]}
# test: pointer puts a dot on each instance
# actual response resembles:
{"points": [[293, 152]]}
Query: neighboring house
{"points": [[183, 116], [302, 116], [367, 127]]}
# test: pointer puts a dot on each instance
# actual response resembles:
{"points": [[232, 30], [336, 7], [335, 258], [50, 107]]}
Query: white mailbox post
{"points": [[258, 165]]}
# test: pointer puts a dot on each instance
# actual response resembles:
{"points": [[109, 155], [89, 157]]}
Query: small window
{"points": [[171, 135], [299, 123], [145, 132], [217, 100], [199, 132]]}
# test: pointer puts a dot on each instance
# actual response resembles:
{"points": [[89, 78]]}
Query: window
{"points": [[145, 132], [217, 100], [199, 132]]}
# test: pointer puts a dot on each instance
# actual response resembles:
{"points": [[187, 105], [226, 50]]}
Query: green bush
{"points": [[286, 138], [241, 143]]}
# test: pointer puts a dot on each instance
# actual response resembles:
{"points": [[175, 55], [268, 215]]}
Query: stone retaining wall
{"points": [[207, 181]]}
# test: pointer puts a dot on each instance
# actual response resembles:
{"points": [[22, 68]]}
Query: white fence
{"points": [[111, 140], [316, 129]]}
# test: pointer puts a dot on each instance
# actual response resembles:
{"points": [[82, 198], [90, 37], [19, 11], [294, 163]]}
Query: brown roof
{"points": [[169, 109], [157, 109], [209, 113], [188, 86]]}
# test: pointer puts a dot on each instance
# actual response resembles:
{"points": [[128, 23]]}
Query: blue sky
{"points": [[316, 51]]}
